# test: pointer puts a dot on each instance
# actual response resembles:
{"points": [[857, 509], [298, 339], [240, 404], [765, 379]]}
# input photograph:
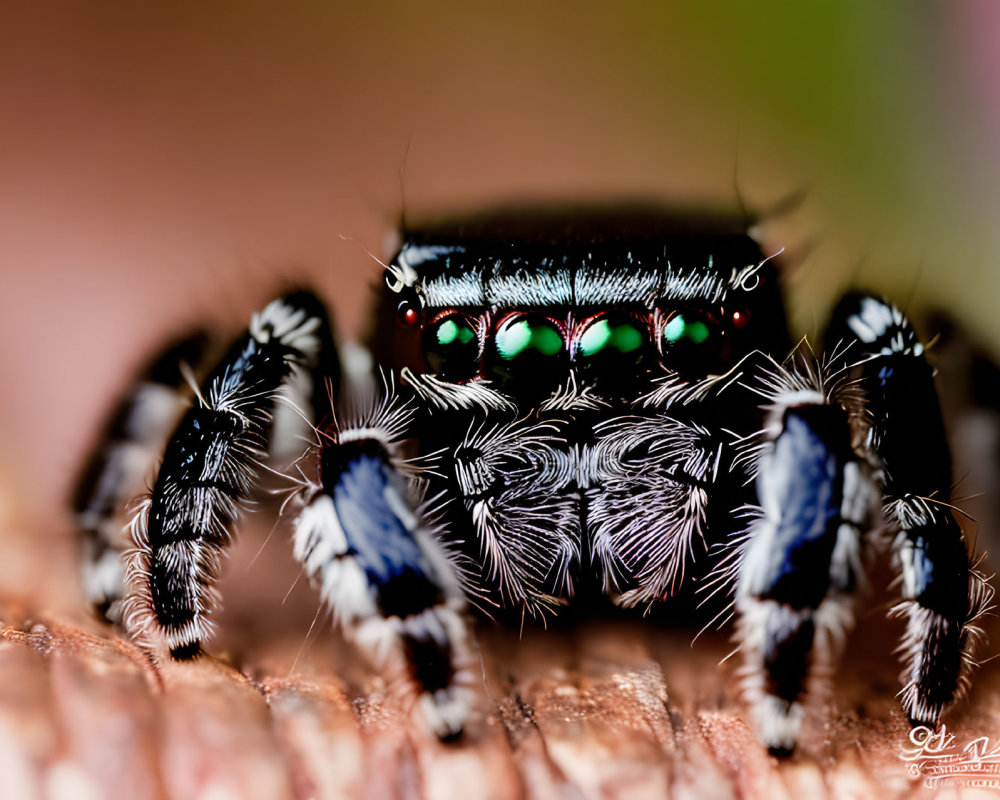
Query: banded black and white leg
{"points": [[392, 588], [120, 463], [802, 560], [942, 596], [209, 468]]}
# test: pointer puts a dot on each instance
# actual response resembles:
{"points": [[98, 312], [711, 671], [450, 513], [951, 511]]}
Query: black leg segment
{"points": [[208, 469], [802, 561], [379, 567], [941, 595]]}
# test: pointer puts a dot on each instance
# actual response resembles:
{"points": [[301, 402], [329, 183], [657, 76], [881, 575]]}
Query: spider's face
{"points": [[570, 361], [604, 304]]}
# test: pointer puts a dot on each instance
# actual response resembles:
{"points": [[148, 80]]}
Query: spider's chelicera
{"points": [[590, 408]]}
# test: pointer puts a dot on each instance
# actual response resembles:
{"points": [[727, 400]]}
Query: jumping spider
{"points": [[602, 407]]}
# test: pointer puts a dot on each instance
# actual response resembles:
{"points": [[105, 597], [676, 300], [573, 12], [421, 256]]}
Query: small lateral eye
{"points": [[691, 343], [408, 314], [451, 348], [740, 319]]}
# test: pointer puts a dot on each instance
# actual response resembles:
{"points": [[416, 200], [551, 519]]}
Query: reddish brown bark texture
{"points": [[606, 711]]}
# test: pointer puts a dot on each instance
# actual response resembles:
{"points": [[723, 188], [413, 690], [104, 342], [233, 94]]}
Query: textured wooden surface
{"points": [[608, 710]]}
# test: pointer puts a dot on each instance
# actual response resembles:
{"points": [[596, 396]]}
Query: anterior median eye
{"points": [[692, 343], [682, 326], [610, 335], [451, 348], [527, 354], [526, 334], [614, 354]]}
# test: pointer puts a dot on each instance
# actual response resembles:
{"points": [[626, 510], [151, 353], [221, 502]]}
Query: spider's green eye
{"points": [[451, 348], [524, 335], [614, 353], [610, 335], [692, 343], [682, 327], [528, 350]]}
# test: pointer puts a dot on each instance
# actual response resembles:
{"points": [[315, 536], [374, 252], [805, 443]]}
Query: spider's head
{"points": [[599, 302]]}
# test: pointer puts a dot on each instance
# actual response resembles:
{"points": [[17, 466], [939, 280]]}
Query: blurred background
{"points": [[170, 163]]}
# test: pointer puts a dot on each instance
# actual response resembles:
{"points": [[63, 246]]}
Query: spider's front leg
{"points": [[802, 561], [942, 595], [378, 565], [209, 467]]}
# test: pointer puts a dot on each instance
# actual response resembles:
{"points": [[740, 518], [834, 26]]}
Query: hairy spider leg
{"points": [[378, 565], [122, 459], [209, 468], [942, 596], [802, 560]]}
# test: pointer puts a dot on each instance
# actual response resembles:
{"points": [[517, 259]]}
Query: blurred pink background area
{"points": [[165, 164]]}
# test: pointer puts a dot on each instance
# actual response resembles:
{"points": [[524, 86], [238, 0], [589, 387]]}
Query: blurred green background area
{"points": [[172, 162]]}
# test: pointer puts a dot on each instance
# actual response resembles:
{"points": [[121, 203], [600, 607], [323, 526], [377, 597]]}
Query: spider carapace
{"points": [[572, 405]]}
